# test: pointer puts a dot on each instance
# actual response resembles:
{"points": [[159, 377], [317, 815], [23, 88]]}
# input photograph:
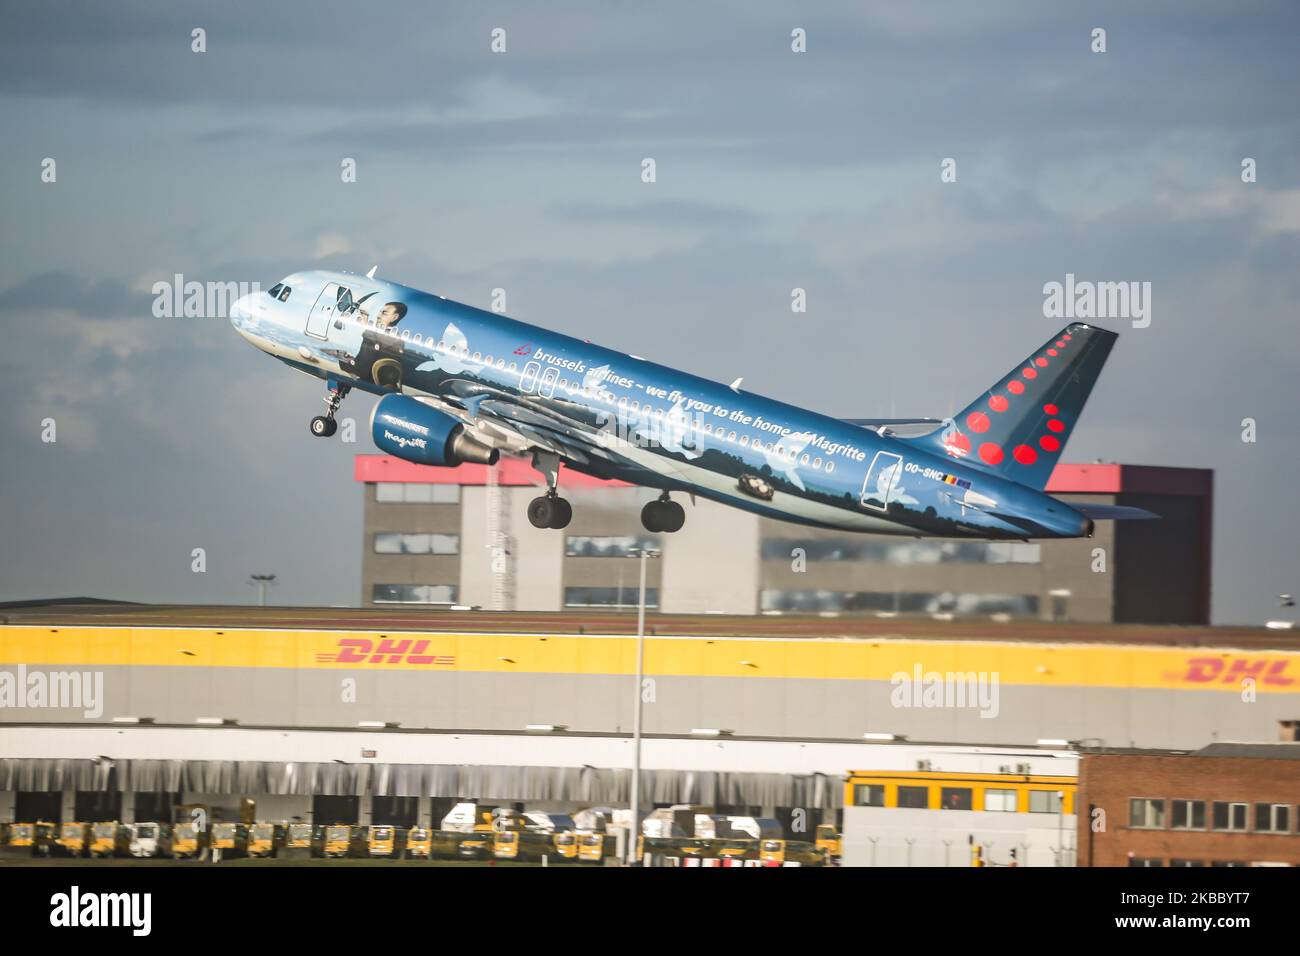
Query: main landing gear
{"points": [[663, 515], [323, 426], [550, 510]]}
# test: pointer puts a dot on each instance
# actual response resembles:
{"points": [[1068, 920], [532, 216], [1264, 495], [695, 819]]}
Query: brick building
{"points": [[1227, 804]]}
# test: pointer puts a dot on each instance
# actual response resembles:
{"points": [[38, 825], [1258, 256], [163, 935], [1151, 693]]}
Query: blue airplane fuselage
{"points": [[615, 415]]}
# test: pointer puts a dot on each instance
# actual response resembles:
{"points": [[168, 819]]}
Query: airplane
{"points": [[459, 384]]}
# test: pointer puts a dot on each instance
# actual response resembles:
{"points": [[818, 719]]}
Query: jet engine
{"points": [[414, 431]]}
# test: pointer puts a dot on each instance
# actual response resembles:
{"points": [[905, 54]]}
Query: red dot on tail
{"points": [[1025, 455], [1029, 373], [1049, 443], [1067, 338], [1041, 362], [990, 453], [1051, 409], [1015, 388], [959, 444], [998, 403], [1052, 352], [1056, 425], [977, 422], [1060, 345]]}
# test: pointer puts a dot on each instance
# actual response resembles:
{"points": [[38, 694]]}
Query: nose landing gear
{"points": [[323, 426], [663, 515]]}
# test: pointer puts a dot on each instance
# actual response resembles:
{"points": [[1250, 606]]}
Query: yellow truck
{"points": [[523, 845], [261, 840], [28, 839], [231, 839], [187, 841], [418, 844], [829, 841], [594, 847], [332, 842], [375, 841], [780, 852], [295, 842], [109, 838], [73, 839]]}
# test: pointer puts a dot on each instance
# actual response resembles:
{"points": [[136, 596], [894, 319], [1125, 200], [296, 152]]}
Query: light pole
{"points": [[262, 581], [635, 834]]}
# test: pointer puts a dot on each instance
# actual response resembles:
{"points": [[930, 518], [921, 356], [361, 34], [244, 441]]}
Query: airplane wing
{"points": [[1112, 512]]}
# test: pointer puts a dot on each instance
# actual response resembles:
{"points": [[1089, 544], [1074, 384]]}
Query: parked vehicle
{"points": [[109, 838], [73, 839], [147, 839]]}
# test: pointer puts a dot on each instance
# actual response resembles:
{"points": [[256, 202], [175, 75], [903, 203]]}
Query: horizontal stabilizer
{"points": [[1111, 512]]}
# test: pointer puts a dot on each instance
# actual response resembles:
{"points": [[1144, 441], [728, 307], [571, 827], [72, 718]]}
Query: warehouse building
{"points": [[460, 536], [1226, 804]]}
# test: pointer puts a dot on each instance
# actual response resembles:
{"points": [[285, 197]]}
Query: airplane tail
{"points": [[1018, 428]]}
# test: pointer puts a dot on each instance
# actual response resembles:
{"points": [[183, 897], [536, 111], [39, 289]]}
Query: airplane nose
{"points": [[241, 310]]}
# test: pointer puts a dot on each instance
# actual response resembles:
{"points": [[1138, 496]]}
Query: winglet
{"points": [[371, 273]]}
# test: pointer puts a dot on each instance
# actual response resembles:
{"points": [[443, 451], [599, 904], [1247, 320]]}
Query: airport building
{"points": [[460, 536], [389, 715], [1226, 804]]}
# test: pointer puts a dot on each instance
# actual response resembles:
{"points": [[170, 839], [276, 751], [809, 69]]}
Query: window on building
{"points": [[413, 594], [608, 546], [1187, 814], [1145, 861], [398, 543], [1229, 816], [955, 798], [869, 795], [1044, 801], [416, 492], [1187, 863], [1146, 812], [609, 597], [1000, 801], [899, 602], [1272, 818], [1226, 863], [916, 798]]}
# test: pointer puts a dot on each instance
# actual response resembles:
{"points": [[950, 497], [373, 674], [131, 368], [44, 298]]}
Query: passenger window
{"points": [[830, 466], [406, 335], [744, 440], [804, 459], [284, 294]]}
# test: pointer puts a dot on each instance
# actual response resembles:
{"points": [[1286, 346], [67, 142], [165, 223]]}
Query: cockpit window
{"points": [[284, 294], [275, 289], [345, 301]]}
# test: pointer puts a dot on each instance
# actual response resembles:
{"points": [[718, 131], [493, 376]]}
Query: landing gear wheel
{"points": [[550, 511], [563, 514], [663, 516], [323, 427], [672, 517]]}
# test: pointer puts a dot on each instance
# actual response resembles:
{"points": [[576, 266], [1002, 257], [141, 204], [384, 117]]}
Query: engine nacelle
{"points": [[414, 431]]}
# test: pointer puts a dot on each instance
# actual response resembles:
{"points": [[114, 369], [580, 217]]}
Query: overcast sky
{"points": [[522, 170]]}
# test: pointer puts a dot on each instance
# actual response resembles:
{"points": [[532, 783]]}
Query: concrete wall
{"points": [[602, 703], [880, 836]]}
